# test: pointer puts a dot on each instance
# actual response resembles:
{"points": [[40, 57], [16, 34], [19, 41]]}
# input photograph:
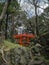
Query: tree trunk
{"points": [[6, 25], [12, 27], [36, 22], [36, 18], [2, 15]]}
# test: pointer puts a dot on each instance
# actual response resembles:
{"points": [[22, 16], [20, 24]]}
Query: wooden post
{"points": [[21, 43], [28, 40]]}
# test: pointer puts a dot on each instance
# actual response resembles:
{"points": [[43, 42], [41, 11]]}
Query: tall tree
{"points": [[3, 14], [36, 17], [35, 2], [12, 8]]}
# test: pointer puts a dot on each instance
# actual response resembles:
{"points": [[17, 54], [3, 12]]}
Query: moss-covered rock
{"points": [[14, 54]]}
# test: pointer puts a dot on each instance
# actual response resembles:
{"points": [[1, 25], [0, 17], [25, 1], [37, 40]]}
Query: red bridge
{"points": [[24, 39]]}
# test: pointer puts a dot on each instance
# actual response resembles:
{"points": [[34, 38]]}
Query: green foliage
{"points": [[9, 45], [13, 6]]}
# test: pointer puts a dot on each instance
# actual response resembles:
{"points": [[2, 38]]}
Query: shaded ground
{"points": [[14, 54]]}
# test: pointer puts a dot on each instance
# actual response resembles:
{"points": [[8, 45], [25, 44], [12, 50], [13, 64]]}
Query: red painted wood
{"points": [[25, 37]]}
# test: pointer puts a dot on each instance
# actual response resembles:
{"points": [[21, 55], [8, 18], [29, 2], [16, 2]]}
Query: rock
{"points": [[23, 60], [38, 45], [7, 55], [37, 61], [35, 50], [20, 50], [22, 56]]}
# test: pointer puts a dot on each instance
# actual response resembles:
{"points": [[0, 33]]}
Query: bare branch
{"points": [[35, 4]]}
